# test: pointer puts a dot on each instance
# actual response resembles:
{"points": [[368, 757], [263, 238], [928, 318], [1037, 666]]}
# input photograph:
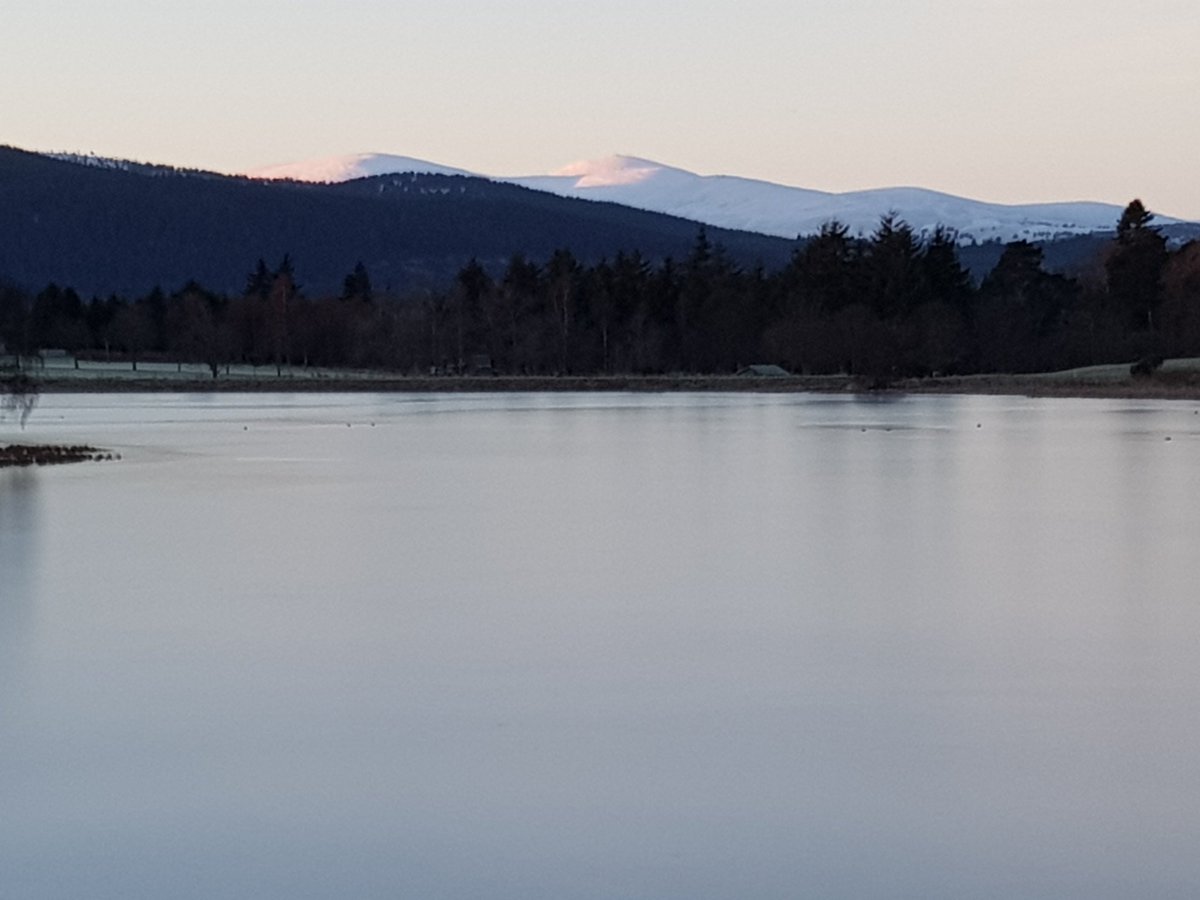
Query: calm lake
{"points": [[602, 646]]}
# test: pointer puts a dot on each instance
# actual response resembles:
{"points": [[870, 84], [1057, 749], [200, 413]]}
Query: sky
{"points": [[1011, 101]]}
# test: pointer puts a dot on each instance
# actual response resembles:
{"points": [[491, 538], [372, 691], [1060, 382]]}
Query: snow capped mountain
{"points": [[612, 171], [751, 205], [347, 168], [728, 201], [721, 200]]}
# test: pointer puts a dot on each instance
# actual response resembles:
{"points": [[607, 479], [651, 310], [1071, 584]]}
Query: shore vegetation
{"points": [[875, 312]]}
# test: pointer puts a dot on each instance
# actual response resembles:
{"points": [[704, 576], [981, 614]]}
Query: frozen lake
{"points": [[602, 646]]}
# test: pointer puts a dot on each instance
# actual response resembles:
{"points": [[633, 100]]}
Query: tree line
{"points": [[886, 306]]}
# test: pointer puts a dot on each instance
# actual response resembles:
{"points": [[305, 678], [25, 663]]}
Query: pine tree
{"points": [[357, 285], [1135, 266], [1020, 312], [944, 280], [517, 299], [893, 270], [562, 286], [258, 282], [472, 290], [829, 268]]}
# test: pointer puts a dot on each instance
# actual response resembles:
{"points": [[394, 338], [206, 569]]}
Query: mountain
{"points": [[750, 205], [112, 226], [127, 228], [346, 168], [777, 209]]}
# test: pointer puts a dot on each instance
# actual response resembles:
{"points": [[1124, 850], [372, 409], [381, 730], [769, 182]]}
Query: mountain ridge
{"points": [[748, 204], [105, 229], [124, 227]]}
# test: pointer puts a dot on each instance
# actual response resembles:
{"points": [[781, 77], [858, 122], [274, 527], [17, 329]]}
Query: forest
{"points": [[887, 306]]}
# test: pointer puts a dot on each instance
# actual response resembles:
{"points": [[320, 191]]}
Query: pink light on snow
{"points": [[609, 171]]}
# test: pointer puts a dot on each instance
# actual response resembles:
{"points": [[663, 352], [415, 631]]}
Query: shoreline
{"points": [[1171, 385], [1160, 386]]}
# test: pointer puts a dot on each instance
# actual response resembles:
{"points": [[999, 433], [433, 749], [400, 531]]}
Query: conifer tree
{"points": [[258, 282], [472, 289], [1135, 265], [944, 280], [893, 271], [562, 286], [357, 285], [829, 270]]}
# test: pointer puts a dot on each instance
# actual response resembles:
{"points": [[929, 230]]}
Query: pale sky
{"points": [[1014, 101]]}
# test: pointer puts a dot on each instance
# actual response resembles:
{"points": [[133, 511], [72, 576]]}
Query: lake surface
{"points": [[602, 646]]}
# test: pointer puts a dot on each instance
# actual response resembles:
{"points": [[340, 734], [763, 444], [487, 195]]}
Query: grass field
{"points": [[1177, 379]]}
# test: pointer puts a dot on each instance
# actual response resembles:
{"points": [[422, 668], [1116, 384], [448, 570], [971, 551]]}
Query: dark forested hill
{"points": [[107, 231], [1078, 255], [533, 283]]}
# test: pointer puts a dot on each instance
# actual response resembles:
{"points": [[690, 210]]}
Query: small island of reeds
{"points": [[50, 455]]}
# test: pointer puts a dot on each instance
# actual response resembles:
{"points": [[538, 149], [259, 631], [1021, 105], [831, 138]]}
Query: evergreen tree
{"points": [[155, 305], [829, 268], [599, 300], [893, 268], [1020, 314], [943, 278], [472, 290], [641, 342], [696, 285], [357, 285], [1018, 270], [1135, 265], [1180, 311], [258, 282], [14, 319], [562, 288], [518, 299]]}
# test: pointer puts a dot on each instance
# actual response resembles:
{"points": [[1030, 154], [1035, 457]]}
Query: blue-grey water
{"points": [[602, 646]]}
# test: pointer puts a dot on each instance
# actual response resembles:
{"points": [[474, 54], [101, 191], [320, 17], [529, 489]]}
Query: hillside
{"points": [[113, 230], [765, 207]]}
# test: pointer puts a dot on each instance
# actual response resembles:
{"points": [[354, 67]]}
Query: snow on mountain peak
{"points": [[751, 205], [609, 171]]}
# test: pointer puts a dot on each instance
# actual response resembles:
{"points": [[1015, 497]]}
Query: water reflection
{"points": [[18, 566]]}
